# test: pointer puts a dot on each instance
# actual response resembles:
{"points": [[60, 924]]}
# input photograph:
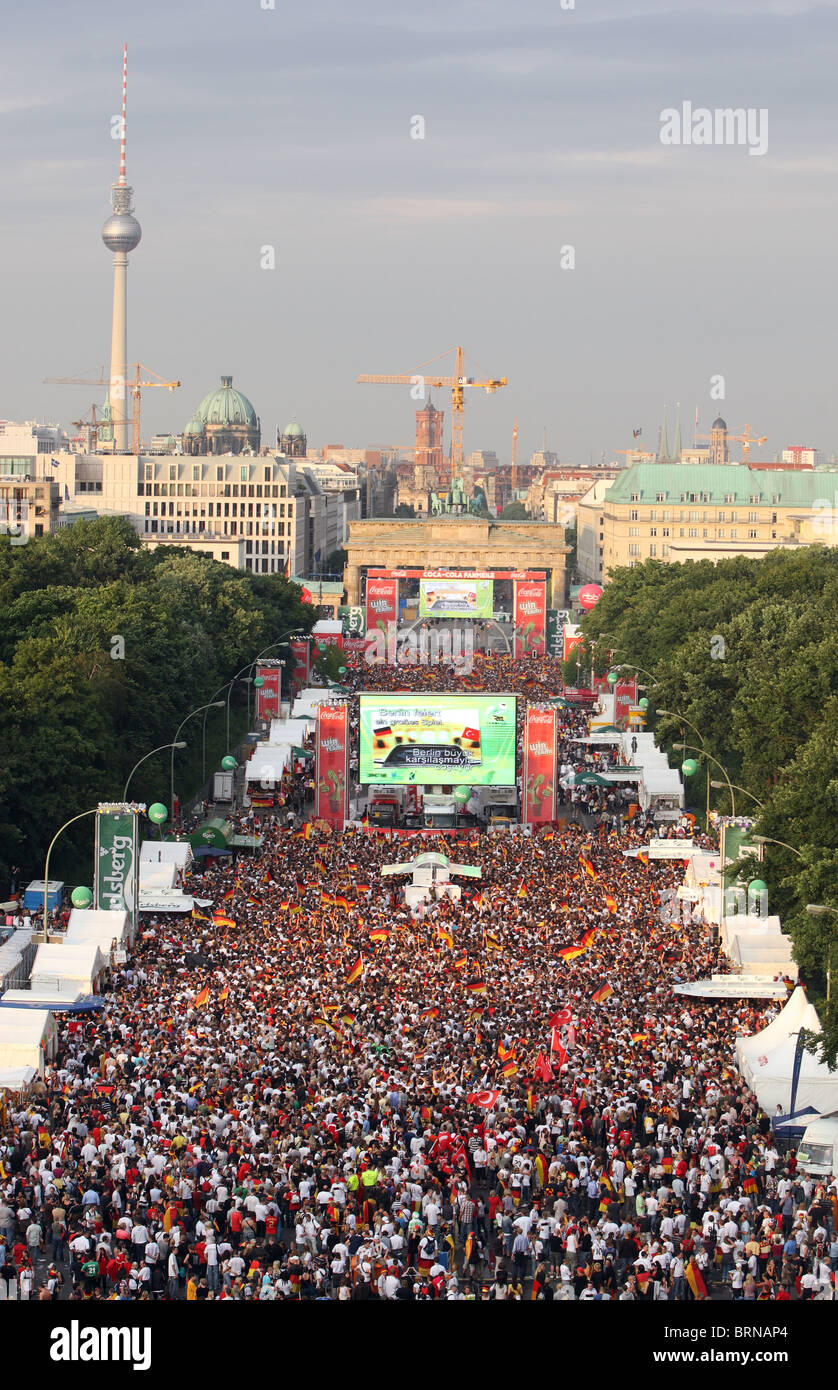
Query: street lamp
{"points": [[766, 840], [72, 819], [819, 910], [673, 714], [702, 753], [743, 790], [213, 704], [149, 755]]}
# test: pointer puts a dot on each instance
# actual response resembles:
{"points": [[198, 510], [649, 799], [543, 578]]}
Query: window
{"points": [[773, 518], [268, 474], [172, 472], [635, 497], [733, 533], [653, 530], [665, 515], [633, 514], [753, 516], [219, 474], [653, 515], [653, 550], [149, 472], [693, 516], [693, 532], [753, 534], [754, 497], [665, 532], [721, 533], [733, 516], [634, 530], [243, 473], [681, 531], [665, 552], [720, 516], [730, 496]]}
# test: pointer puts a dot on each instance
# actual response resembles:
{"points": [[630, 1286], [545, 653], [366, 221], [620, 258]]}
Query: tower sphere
{"points": [[121, 232]]}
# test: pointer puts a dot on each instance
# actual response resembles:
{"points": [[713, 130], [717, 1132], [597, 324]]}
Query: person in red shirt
{"points": [[235, 1221]]}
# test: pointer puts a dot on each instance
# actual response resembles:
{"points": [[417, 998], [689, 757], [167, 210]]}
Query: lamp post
{"points": [[72, 819], [702, 752], [766, 840], [673, 714], [743, 790], [149, 755], [213, 704], [820, 910]]}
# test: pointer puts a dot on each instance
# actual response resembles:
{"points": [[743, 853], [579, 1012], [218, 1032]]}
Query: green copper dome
{"points": [[292, 431], [226, 406], [195, 426]]}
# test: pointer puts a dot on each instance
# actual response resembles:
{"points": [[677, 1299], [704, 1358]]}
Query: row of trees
{"points": [[104, 648], [747, 651]]}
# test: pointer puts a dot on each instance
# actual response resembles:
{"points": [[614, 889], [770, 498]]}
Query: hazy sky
{"points": [[291, 127]]}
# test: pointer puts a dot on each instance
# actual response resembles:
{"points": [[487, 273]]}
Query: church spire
{"points": [[677, 454], [663, 447]]}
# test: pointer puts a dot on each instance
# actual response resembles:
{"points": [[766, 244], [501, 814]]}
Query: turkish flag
{"points": [[543, 1070], [487, 1099], [559, 1018]]}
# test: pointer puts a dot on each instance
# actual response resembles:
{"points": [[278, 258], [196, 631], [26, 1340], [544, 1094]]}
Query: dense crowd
{"points": [[311, 1091]]}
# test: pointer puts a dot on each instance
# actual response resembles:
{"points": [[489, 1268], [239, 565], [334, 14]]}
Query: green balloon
{"points": [[341, 670], [258, 681], [321, 646], [757, 885], [81, 897], [157, 812], [643, 704], [462, 793], [229, 763], [689, 767], [613, 677]]}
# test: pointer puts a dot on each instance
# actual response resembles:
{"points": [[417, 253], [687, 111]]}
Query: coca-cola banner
{"points": [[530, 617], [268, 695], [626, 698], [539, 765], [301, 652], [332, 765], [382, 604]]}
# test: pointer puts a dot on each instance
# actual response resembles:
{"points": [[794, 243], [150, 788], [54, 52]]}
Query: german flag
{"points": [[444, 935], [344, 903], [348, 1019], [504, 1052], [307, 830], [478, 899], [202, 998], [548, 836], [604, 992], [221, 921], [356, 972], [530, 1102], [588, 867], [433, 1012], [379, 934], [327, 900], [643, 1276], [469, 1246], [750, 1185], [588, 937], [362, 887], [611, 904], [322, 1022], [541, 1168], [643, 856], [510, 1068], [199, 916], [476, 987], [292, 911], [569, 953], [474, 1014], [522, 891], [284, 905], [231, 893], [492, 943], [639, 1037], [695, 1279], [460, 962], [224, 995]]}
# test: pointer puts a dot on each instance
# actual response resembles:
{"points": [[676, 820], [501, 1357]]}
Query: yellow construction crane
{"points": [[457, 384], [93, 426], [746, 439], [136, 387]]}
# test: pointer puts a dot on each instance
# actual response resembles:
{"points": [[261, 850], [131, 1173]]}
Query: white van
{"points": [[818, 1149]]}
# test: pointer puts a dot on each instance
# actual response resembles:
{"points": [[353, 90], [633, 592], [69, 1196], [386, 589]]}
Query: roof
{"points": [[719, 483], [225, 406]]}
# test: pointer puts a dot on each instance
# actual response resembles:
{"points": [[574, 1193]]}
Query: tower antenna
{"points": [[122, 127]]}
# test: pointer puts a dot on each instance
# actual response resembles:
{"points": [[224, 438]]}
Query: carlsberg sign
{"points": [[117, 864]]}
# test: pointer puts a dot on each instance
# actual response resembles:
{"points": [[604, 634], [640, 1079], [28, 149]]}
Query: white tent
{"points": [[27, 1038], [291, 731], [798, 1013], [159, 876], [101, 927], [66, 970], [770, 1076], [16, 1078], [178, 852], [268, 763]]}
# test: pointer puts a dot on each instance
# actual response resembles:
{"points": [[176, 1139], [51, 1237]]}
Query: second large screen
{"points": [[463, 739], [455, 598]]}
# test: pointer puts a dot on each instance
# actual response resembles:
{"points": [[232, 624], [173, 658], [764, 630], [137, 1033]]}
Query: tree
{"points": [[514, 511], [328, 663], [336, 561], [404, 509]]}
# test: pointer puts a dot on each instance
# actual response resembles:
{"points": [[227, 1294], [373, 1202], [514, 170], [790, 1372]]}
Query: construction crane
{"points": [[746, 439], [136, 387], [93, 426], [456, 383]]}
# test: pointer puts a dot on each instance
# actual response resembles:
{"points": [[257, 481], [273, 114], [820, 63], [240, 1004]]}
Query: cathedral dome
{"points": [[226, 406], [719, 424]]}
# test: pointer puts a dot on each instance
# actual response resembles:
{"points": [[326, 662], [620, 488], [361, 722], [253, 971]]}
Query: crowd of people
{"points": [[310, 1091]]}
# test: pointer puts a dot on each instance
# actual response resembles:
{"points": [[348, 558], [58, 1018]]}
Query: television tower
{"points": [[121, 233]]}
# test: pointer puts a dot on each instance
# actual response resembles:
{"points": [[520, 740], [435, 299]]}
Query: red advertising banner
{"points": [[530, 618], [332, 766], [302, 656], [268, 695], [382, 605], [539, 765], [570, 640], [626, 696]]}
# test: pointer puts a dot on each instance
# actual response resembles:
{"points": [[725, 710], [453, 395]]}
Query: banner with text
{"points": [[530, 617], [382, 605], [539, 765], [116, 876], [332, 767], [268, 695]]}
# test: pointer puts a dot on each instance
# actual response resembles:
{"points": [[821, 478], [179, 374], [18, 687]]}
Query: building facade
{"points": [[678, 512]]}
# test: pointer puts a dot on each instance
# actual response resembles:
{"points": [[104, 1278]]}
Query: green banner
{"points": [[455, 598], [117, 860]]}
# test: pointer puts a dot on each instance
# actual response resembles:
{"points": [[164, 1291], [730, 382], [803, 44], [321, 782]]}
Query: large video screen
{"points": [[455, 598], [464, 739]]}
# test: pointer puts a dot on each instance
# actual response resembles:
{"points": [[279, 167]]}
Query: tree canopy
{"points": [[105, 648], [746, 650]]}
